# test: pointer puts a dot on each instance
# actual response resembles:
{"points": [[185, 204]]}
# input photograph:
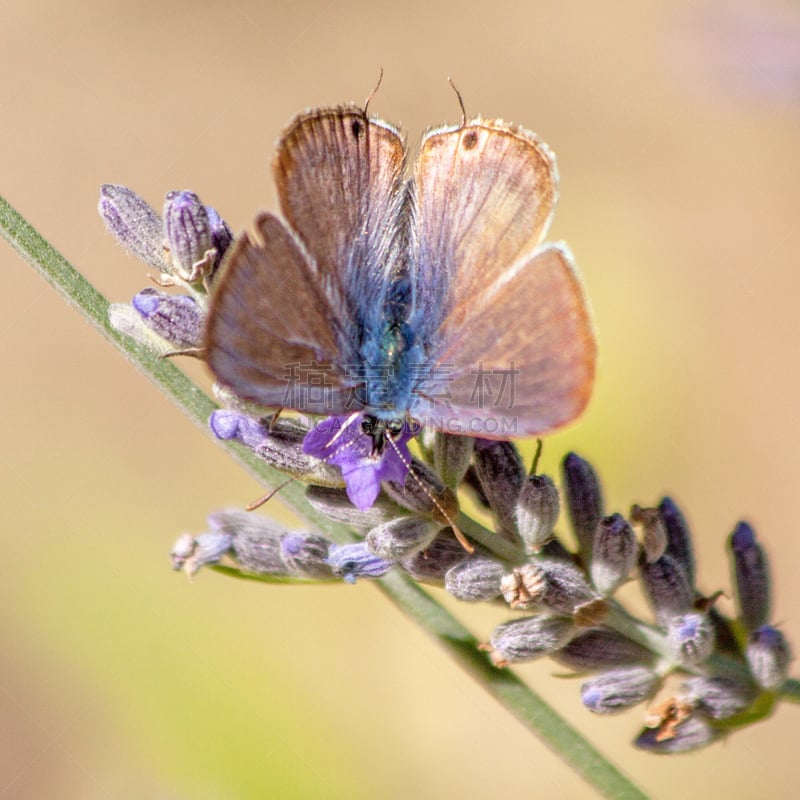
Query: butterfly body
{"points": [[389, 358], [428, 296]]}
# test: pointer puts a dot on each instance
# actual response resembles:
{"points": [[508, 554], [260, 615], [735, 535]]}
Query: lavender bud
{"points": [[768, 656], [221, 234], [718, 697], [528, 638], [226, 424], [188, 235], [451, 457], [306, 555], [751, 577], [654, 533], [124, 318], [353, 561], [501, 474], [208, 548], [619, 689], [133, 223], [176, 318], [182, 549], [690, 638], [255, 541], [614, 553], [536, 511], [670, 737], [584, 500], [477, 578], [424, 493], [279, 443], [602, 648], [554, 585], [679, 537], [666, 587], [431, 564], [235, 521], [336, 505], [259, 553], [402, 537]]}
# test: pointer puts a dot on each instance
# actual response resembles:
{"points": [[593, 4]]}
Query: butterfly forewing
{"points": [[340, 178], [485, 194], [522, 365], [273, 335]]}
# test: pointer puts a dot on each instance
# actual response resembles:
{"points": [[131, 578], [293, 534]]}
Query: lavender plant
{"points": [[730, 670], [397, 520]]}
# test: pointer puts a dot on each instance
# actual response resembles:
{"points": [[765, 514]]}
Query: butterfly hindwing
{"points": [[525, 364], [272, 334]]}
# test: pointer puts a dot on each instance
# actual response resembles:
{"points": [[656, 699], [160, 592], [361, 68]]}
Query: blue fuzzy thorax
{"points": [[389, 355], [390, 351]]}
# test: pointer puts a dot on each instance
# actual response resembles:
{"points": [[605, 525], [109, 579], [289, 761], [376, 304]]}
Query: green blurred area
{"points": [[676, 127]]}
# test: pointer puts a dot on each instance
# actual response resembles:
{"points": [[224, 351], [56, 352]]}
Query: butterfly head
{"points": [[382, 431]]}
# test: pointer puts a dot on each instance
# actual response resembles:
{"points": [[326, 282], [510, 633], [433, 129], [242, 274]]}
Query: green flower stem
{"points": [[502, 548], [519, 699]]}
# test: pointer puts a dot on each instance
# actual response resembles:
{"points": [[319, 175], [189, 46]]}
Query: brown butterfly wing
{"points": [[522, 366], [272, 334], [340, 182], [485, 194], [287, 316], [511, 339]]}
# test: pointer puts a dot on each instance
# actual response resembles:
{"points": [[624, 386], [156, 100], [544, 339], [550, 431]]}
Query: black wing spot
{"points": [[357, 128], [469, 140]]}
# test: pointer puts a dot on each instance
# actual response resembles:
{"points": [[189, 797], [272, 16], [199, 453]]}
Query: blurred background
{"points": [[676, 126]]}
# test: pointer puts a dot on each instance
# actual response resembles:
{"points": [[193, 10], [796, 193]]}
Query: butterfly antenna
{"points": [[274, 419], [267, 497], [535, 464], [373, 92], [462, 540], [192, 352], [460, 102]]}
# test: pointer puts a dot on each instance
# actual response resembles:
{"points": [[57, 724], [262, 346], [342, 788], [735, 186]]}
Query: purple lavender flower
{"points": [[352, 561], [365, 460], [228, 423], [176, 318]]}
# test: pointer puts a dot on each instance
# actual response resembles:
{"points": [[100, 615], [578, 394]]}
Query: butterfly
{"points": [[427, 296]]}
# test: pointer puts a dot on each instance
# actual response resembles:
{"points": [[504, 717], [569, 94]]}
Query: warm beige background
{"points": [[676, 127]]}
